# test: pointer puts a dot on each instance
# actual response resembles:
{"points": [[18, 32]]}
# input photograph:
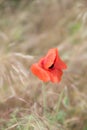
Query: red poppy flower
{"points": [[50, 67]]}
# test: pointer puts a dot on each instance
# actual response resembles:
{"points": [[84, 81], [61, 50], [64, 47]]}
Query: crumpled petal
{"points": [[60, 64], [39, 72], [49, 58], [55, 76]]}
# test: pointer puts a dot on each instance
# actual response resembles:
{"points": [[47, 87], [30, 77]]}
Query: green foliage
{"points": [[66, 101], [57, 117], [14, 120], [85, 127], [17, 34], [74, 28], [60, 117]]}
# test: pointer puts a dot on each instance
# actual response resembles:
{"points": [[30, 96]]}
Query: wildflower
{"points": [[49, 68]]}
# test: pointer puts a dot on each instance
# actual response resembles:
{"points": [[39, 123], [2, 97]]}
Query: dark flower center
{"points": [[51, 66]]}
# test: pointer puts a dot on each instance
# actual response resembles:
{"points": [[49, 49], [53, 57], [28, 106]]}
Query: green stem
{"points": [[44, 99], [59, 100]]}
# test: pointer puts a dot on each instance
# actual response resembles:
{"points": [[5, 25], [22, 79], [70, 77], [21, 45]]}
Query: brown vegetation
{"points": [[31, 28]]}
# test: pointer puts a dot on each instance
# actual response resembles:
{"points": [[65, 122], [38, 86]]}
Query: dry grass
{"points": [[31, 28]]}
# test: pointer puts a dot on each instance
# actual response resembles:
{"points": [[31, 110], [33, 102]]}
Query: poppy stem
{"points": [[59, 100], [44, 98]]}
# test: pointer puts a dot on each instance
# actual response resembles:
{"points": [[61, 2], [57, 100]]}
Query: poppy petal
{"points": [[50, 58], [61, 64], [55, 76], [41, 73]]}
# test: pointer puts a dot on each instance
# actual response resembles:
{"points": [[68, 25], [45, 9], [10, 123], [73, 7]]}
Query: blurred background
{"points": [[28, 29]]}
